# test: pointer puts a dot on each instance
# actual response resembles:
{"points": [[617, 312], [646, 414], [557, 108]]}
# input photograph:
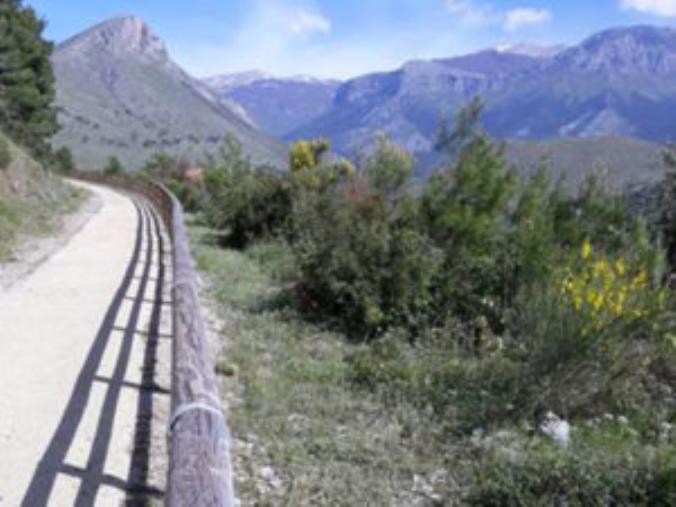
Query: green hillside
{"points": [[623, 160]]}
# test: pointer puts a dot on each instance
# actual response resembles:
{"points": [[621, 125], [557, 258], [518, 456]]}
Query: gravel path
{"points": [[84, 365]]}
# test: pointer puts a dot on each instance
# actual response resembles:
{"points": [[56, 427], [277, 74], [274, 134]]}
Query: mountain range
{"points": [[618, 82], [277, 106], [119, 93]]}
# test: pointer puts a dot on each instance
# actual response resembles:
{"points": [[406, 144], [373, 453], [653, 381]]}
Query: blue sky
{"points": [[344, 38]]}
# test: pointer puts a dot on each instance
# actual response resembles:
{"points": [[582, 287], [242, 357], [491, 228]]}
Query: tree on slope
{"points": [[26, 78]]}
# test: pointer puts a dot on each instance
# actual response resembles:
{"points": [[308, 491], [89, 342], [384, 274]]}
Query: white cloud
{"points": [[305, 23], [286, 37], [277, 36], [665, 8], [471, 12], [525, 16]]}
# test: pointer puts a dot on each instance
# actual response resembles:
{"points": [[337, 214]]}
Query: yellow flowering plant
{"points": [[602, 291]]}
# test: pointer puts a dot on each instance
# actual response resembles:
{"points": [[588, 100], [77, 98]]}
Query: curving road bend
{"points": [[84, 365]]}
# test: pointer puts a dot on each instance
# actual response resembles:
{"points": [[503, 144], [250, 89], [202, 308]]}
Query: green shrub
{"points": [[169, 170], [113, 167], [307, 155], [5, 154], [486, 300], [63, 161], [588, 351], [162, 166], [362, 257], [188, 193], [246, 202], [595, 213]]}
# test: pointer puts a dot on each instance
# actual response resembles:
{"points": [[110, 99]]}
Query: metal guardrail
{"points": [[200, 470]]}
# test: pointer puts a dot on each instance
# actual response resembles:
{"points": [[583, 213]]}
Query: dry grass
{"points": [[303, 434], [32, 201]]}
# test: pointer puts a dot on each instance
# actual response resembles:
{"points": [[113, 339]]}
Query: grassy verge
{"points": [[32, 201], [304, 435], [315, 425]]}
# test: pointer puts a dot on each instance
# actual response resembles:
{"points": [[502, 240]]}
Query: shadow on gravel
{"points": [[92, 477]]}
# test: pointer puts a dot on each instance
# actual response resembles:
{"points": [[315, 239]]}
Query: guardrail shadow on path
{"points": [[53, 463]]}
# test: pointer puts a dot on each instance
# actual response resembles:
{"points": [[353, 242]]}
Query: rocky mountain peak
{"points": [[626, 50], [234, 80], [123, 35]]}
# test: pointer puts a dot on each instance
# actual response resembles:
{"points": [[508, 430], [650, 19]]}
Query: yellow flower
{"points": [[595, 299], [641, 280], [577, 302], [602, 290], [586, 249]]}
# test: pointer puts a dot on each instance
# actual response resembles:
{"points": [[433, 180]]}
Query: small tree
{"points": [[113, 167], [162, 165], [63, 160], [464, 210], [245, 201], [27, 110]]}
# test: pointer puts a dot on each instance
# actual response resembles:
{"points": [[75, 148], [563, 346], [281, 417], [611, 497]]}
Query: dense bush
{"points": [[362, 256], [113, 167], [245, 202], [63, 161], [374, 254], [162, 166]]}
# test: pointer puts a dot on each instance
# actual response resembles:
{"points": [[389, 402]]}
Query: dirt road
{"points": [[84, 348]]}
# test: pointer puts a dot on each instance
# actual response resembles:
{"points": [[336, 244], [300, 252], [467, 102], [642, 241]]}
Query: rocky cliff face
{"points": [[636, 51], [408, 104], [119, 36]]}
